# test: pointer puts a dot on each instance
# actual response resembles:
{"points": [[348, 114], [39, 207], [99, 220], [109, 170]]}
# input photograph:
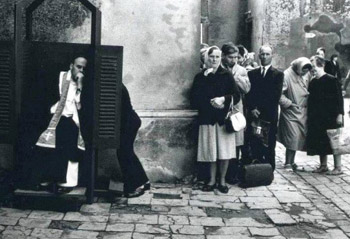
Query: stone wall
{"points": [[284, 25]]}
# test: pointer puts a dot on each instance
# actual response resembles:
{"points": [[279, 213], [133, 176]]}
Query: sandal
{"points": [[321, 169], [334, 172]]}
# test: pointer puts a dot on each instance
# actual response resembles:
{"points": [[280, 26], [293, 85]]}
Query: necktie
{"points": [[263, 72]]}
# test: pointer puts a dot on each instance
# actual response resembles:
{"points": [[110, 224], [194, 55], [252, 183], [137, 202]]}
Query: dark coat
{"points": [[265, 93], [325, 103], [205, 88]]}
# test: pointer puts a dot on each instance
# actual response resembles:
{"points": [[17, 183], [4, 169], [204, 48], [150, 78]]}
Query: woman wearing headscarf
{"points": [[292, 123], [325, 111], [212, 93]]}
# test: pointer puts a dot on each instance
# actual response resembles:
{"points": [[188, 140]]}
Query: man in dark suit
{"points": [[262, 103], [332, 67]]}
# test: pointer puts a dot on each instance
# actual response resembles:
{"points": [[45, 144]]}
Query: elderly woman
{"points": [[293, 102], [325, 111], [212, 92]]}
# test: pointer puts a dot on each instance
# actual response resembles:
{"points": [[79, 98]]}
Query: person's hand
{"points": [[255, 113], [340, 119], [79, 79], [218, 102], [294, 105]]}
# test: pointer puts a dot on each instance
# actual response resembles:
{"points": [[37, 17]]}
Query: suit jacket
{"points": [[333, 69], [265, 93]]}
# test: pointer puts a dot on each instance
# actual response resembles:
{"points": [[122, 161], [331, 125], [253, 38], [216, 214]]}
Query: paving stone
{"points": [[186, 229], [120, 227], [289, 197], [142, 200], [336, 234], [206, 221], [244, 222], [78, 216], [160, 208], [312, 218], [63, 225], [228, 231], [258, 200], [280, 218], [264, 205], [171, 191], [93, 226], [12, 212], [46, 215], [233, 205], [259, 194], [227, 237], [96, 208], [17, 231], [137, 235], [79, 234], [187, 236], [215, 198], [120, 235], [133, 218], [46, 233], [8, 221], [34, 223], [265, 232], [198, 203], [169, 202], [2, 228], [173, 219], [153, 229], [187, 211]]}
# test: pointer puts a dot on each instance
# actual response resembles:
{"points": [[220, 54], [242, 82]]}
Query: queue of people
{"points": [[308, 94]]}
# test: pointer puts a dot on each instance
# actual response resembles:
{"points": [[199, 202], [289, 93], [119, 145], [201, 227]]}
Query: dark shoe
{"points": [[134, 194], [208, 188], [146, 186], [63, 190], [223, 189]]}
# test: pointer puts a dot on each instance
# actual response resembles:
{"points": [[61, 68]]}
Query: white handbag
{"points": [[235, 120]]}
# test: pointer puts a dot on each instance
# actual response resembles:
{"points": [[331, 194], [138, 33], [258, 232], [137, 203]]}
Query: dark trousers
{"points": [[259, 151], [134, 175]]}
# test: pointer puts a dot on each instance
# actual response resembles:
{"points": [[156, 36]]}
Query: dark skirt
{"points": [[317, 141], [50, 165]]}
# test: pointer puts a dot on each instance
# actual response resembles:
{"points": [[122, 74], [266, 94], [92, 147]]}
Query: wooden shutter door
{"points": [[107, 107], [7, 84]]}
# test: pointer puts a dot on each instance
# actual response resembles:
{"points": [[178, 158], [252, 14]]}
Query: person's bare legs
{"points": [[337, 166], [223, 165], [323, 165], [212, 173], [290, 155]]}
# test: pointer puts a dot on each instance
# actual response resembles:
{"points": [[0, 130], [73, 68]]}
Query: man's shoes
{"points": [[63, 190], [146, 186], [223, 189], [208, 188], [134, 194]]}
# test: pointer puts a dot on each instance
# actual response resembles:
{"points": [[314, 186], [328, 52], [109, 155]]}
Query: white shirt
{"points": [[73, 97], [266, 69]]}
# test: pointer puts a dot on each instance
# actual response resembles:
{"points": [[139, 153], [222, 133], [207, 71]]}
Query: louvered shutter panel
{"points": [[7, 83], [109, 60]]}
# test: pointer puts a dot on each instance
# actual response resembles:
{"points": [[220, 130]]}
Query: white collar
{"points": [[208, 71], [266, 68]]}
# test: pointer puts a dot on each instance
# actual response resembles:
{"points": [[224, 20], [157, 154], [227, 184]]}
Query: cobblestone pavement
{"points": [[302, 205]]}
